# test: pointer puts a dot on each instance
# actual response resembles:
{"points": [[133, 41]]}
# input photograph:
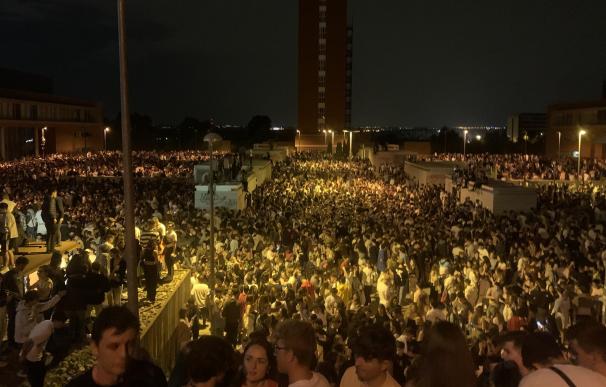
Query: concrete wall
{"points": [[501, 198]]}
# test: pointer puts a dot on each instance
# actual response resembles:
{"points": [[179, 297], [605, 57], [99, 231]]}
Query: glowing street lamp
{"points": [[299, 137], [332, 139], [465, 142], [350, 141], [325, 132], [581, 133], [105, 131], [559, 143], [43, 140]]}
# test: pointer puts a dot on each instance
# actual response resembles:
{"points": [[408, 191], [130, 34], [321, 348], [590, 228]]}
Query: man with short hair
{"points": [[204, 363], [52, 214], [296, 354], [543, 357], [587, 342], [113, 342], [374, 349], [511, 348]]}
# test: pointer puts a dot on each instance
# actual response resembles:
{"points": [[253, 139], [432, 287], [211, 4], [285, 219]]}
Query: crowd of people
{"points": [[336, 274], [526, 167]]}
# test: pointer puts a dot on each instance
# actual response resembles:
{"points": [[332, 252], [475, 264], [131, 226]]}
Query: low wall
{"points": [[501, 197], [158, 323], [158, 336]]}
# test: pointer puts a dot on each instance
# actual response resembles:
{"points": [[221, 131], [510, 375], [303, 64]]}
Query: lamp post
{"points": [[43, 141], [525, 142], [350, 139], [559, 144], [465, 142], [127, 166], [325, 132], [105, 131], [299, 138], [581, 133], [332, 139], [211, 138]]}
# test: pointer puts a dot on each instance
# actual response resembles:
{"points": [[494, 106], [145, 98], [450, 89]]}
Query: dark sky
{"points": [[418, 62]]}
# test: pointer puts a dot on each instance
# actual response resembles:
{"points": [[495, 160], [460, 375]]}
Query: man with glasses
{"points": [[295, 351]]}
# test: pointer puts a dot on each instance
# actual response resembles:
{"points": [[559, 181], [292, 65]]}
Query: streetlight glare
{"points": [[582, 132], [478, 137]]}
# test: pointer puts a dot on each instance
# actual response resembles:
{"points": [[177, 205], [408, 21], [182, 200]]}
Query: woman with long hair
{"points": [[258, 365], [445, 359]]}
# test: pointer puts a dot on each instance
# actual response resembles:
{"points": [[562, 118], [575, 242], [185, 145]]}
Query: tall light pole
{"points": [[43, 141], [332, 139], [127, 169], [559, 144], [211, 138], [325, 132], [581, 133], [299, 138], [105, 131], [464, 142], [525, 142], [350, 138]]}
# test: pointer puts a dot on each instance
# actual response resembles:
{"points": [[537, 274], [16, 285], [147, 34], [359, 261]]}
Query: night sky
{"points": [[416, 63]]}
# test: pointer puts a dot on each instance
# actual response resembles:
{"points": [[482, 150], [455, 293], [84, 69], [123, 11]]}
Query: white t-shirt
{"points": [[580, 376], [39, 335], [350, 379], [317, 380]]}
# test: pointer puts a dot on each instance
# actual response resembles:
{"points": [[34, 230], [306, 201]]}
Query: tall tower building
{"points": [[325, 42]]}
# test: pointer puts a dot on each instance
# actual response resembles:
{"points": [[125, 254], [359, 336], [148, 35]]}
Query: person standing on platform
{"points": [[150, 263], [52, 214], [170, 244]]}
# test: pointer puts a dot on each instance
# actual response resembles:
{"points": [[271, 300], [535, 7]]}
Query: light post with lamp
{"points": [[325, 132], [332, 140], [559, 144], [43, 141], [465, 142], [105, 131], [350, 141], [299, 138], [581, 134], [211, 138]]}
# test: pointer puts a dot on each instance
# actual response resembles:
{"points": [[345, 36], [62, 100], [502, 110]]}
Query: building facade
{"points": [[532, 125], [325, 65], [565, 121], [38, 123]]}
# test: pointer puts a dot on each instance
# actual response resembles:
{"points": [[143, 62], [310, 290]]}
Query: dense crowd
{"points": [[354, 275], [526, 167]]}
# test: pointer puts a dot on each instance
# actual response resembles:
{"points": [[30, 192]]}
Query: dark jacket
{"points": [[47, 214]]}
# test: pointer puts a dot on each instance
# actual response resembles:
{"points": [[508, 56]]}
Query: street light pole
{"points": [[581, 133], [464, 142], [324, 136], [105, 131], [127, 173], [332, 140], [211, 138], [559, 144], [299, 138], [43, 141]]}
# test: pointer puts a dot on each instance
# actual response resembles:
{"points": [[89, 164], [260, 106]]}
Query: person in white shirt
{"points": [[543, 357], [29, 313], [295, 353], [374, 349], [32, 352]]}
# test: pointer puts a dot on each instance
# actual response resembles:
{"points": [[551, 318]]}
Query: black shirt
{"points": [[138, 374]]}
